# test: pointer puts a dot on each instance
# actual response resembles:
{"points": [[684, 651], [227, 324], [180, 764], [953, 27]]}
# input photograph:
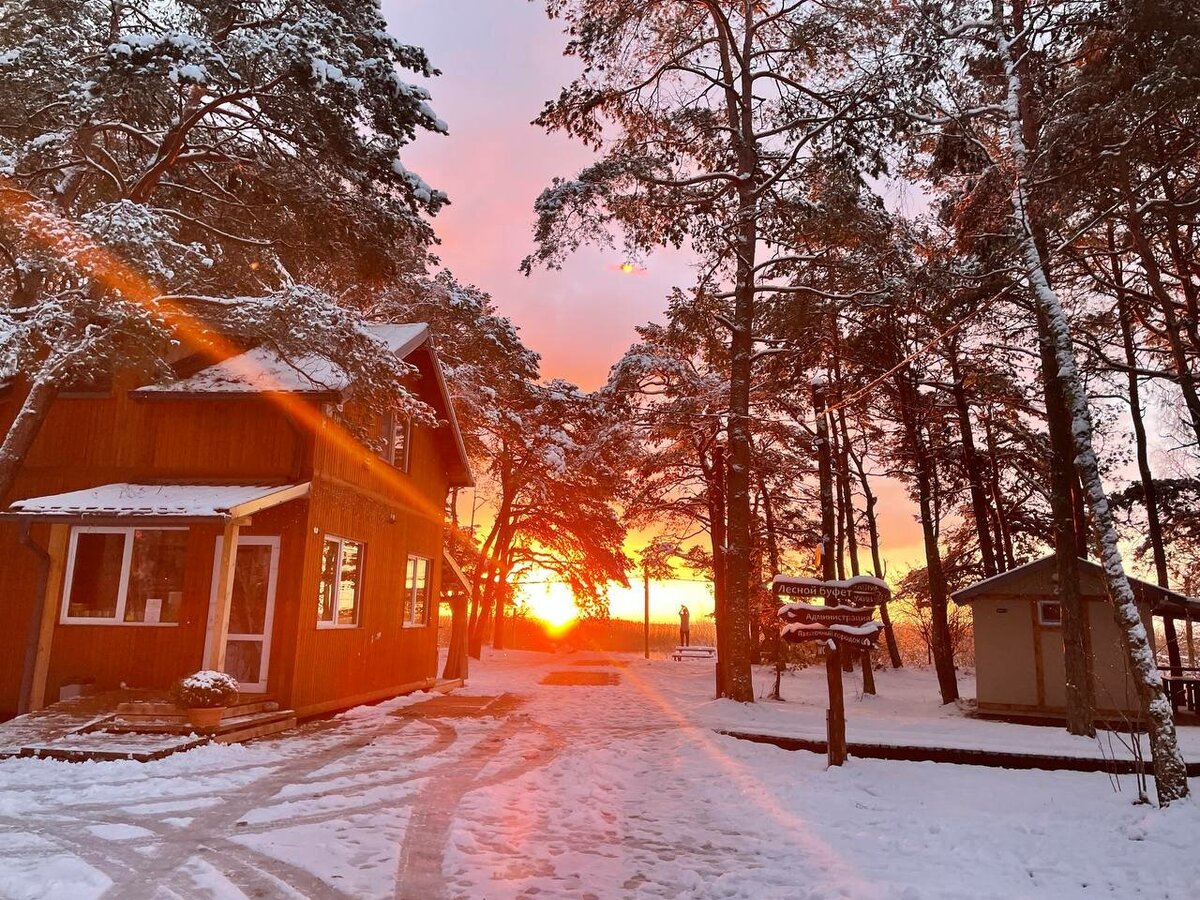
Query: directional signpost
{"points": [[845, 620]]}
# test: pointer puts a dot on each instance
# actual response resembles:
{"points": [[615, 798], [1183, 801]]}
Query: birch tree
{"points": [[171, 171], [999, 112]]}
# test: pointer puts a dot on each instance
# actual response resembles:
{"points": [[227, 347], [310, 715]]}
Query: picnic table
{"points": [[697, 652], [1185, 686]]}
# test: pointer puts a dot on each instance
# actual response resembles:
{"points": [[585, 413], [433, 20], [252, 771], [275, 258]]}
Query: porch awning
{"points": [[456, 571], [121, 501]]}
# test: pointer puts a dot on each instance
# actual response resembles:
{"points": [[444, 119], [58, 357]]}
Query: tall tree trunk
{"points": [[490, 592], [756, 611], [1077, 663], [24, 431], [839, 504], [1149, 490], [717, 519], [825, 480], [1003, 532], [482, 578], [456, 653], [846, 496], [1170, 771], [979, 502], [847, 491], [778, 647], [498, 619], [939, 599], [889, 633], [739, 111]]}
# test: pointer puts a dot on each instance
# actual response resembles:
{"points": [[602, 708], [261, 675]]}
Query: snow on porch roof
{"points": [[158, 501], [262, 370]]}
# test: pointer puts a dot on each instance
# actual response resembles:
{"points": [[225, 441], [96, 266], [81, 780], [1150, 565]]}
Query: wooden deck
{"points": [[135, 725], [146, 725]]}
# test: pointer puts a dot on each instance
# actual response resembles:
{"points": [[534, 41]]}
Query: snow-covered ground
{"points": [[601, 791], [905, 711]]}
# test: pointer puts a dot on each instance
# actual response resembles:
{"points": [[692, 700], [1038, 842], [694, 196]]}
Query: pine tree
{"points": [[199, 173]]}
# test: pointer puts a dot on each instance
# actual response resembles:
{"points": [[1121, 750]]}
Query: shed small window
{"points": [[127, 576], [340, 588], [416, 586], [1050, 612]]}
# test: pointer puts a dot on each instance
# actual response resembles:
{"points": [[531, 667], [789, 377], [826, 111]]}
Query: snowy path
{"points": [[514, 788]]}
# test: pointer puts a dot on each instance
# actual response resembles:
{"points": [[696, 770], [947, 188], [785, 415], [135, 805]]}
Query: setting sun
{"points": [[553, 604]]}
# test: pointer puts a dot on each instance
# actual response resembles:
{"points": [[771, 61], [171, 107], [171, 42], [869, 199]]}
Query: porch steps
{"points": [[230, 724], [251, 728], [114, 727], [243, 722], [170, 715], [99, 746]]}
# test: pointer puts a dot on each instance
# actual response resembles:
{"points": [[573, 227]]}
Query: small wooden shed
{"points": [[1019, 660]]}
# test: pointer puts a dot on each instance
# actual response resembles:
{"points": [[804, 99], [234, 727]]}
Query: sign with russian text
{"points": [[862, 590], [863, 636], [808, 614]]}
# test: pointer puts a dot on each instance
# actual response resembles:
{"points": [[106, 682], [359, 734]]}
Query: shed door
{"points": [[252, 610]]}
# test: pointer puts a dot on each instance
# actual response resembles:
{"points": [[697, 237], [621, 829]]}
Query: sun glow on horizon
{"points": [[552, 604]]}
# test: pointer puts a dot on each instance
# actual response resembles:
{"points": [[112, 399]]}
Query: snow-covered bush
{"points": [[206, 690]]}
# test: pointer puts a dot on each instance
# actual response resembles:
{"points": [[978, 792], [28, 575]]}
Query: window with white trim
{"points": [[395, 433], [340, 588], [1049, 612], [416, 587], [124, 576]]}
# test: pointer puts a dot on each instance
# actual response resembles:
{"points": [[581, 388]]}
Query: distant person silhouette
{"points": [[684, 625]]}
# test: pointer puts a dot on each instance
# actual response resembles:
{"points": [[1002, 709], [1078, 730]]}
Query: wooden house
{"points": [[228, 520], [1019, 659]]}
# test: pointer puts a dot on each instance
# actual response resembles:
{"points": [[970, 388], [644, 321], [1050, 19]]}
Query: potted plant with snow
{"points": [[204, 697]]}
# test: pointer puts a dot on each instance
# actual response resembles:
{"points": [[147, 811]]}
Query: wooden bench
{"points": [[682, 653]]}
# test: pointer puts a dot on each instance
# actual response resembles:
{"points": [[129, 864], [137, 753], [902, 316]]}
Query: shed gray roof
{"points": [[1039, 577]]}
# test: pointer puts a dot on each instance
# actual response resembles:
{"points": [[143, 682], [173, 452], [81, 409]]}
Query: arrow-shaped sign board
{"points": [[865, 642], [799, 637], [808, 614], [863, 636], [861, 590]]}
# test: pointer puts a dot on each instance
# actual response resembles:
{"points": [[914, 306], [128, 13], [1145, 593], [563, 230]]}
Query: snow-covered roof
{"points": [[1038, 577], [141, 501], [262, 370]]}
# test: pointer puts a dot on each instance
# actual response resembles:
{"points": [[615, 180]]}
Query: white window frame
{"points": [[410, 602], [393, 420], [1049, 623], [122, 590], [337, 568]]}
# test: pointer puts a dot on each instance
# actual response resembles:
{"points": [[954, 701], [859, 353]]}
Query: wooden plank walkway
{"points": [[145, 726], [990, 758], [133, 725]]}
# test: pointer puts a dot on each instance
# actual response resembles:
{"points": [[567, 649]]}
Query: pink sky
{"points": [[500, 61]]}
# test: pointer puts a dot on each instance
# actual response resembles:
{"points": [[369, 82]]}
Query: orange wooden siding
{"points": [[88, 441]]}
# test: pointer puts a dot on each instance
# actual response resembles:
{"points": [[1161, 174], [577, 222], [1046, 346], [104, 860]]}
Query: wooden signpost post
{"points": [[846, 621]]}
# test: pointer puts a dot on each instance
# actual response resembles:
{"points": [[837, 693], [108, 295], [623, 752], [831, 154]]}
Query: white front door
{"points": [[251, 610]]}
